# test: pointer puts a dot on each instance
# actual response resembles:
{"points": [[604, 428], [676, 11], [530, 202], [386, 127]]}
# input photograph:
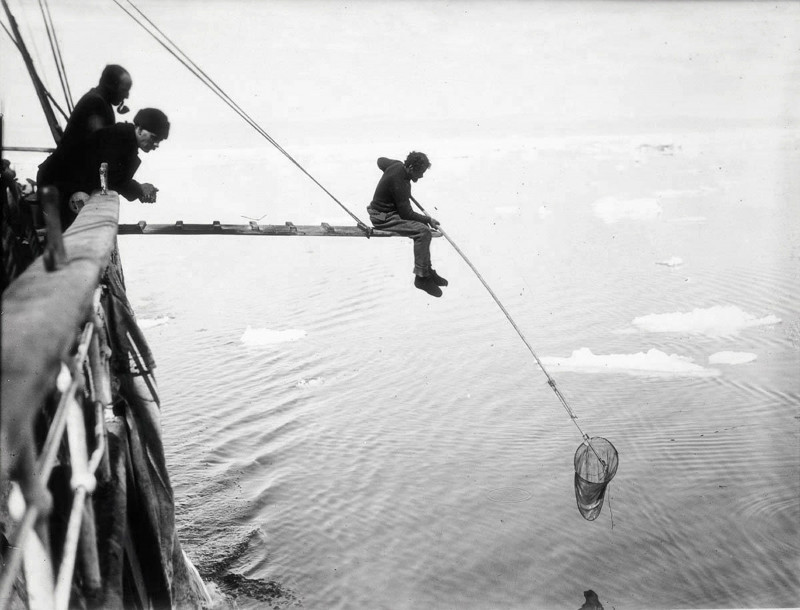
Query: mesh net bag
{"points": [[596, 462]]}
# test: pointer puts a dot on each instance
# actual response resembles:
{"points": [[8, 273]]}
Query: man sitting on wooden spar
{"points": [[390, 210]]}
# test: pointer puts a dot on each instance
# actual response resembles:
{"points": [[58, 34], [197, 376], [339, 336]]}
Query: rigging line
{"points": [[198, 70], [52, 122], [58, 56], [209, 82], [205, 80], [50, 35], [70, 104], [49, 95], [550, 381]]}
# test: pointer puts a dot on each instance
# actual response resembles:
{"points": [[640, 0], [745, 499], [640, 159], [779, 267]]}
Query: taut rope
{"points": [[184, 59], [550, 381]]}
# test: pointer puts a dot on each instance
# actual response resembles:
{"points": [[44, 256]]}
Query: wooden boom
{"points": [[217, 228]]}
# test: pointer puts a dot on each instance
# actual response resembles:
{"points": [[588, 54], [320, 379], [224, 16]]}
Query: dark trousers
{"points": [[418, 231]]}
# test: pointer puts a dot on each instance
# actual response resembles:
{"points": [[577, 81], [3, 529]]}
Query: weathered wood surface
{"points": [[43, 311], [252, 229]]}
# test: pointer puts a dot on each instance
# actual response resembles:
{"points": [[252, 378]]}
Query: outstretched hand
{"points": [[148, 193]]}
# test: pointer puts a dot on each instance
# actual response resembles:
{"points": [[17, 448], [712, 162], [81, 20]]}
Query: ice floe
{"points": [[689, 219], [151, 322], [611, 209], [673, 261], [507, 210], [310, 383], [731, 358], [265, 336], [672, 193], [652, 362], [717, 321], [664, 149]]}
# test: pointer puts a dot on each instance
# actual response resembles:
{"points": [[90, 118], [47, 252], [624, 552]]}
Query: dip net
{"points": [[596, 462]]}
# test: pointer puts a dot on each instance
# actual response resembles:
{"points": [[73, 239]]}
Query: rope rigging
{"points": [[41, 92], [44, 89], [590, 481], [57, 57], [550, 381], [592, 474], [190, 65], [587, 496]]}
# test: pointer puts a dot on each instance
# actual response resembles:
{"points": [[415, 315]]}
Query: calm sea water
{"points": [[624, 175], [405, 452]]}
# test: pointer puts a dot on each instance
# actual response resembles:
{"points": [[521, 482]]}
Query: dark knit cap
{"points": [[154, 121]]}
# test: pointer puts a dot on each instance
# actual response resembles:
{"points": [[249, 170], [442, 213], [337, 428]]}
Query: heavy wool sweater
{"points": [[394, 191]]}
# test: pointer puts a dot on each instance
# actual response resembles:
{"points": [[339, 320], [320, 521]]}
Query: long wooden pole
{"points": [[55, 130]]}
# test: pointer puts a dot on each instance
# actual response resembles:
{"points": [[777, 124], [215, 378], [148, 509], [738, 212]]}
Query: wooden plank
{"points": [[252, 229], [43, 311]]}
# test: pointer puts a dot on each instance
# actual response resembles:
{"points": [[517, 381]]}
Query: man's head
{"points": [[152, 126], [115, 82], [416, 164]]}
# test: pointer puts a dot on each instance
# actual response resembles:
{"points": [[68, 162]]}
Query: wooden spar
{"points": [[217, 228], [41, 92]]}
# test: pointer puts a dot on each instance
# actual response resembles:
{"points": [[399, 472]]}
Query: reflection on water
{"points": [[404, 452]]}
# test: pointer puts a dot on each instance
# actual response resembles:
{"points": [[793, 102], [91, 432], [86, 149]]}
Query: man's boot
{"points": [[438, 279], [428, 285]]}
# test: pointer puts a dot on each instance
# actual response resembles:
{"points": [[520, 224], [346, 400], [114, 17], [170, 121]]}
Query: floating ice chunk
{"points": [[673, 261], [151, 322], [611, 209], [652, 362], [310, 383], [689, 219], [669, 193], [265, 336], [731, 358], [544, 212], [664, 149], [507, 210], [720, 320]]}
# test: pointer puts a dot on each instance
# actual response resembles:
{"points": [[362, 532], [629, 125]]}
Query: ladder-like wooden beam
{"points": [[218, 228]]}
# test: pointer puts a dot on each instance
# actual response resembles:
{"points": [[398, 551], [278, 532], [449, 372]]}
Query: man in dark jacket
{"points": [[92, 112], [119, 146], [390, 210]]}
